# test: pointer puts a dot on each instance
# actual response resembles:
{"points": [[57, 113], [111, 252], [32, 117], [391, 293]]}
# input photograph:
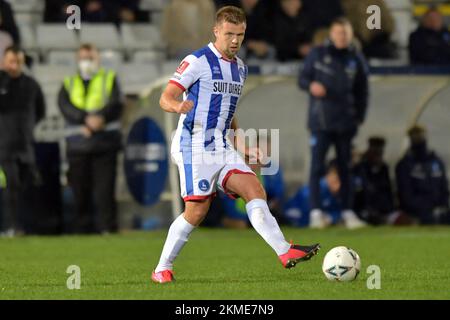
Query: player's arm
{"points": [[187, 73], [170, 100]]}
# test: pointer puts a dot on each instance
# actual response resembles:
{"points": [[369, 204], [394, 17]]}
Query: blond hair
{"points": [[230, 14]]}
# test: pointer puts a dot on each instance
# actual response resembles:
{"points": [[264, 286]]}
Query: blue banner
{"points": [[146, 161]]}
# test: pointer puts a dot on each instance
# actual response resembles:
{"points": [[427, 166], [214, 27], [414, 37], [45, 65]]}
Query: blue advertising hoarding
{"points": [[146, 161]]}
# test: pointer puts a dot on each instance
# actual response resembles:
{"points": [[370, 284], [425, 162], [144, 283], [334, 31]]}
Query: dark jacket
{"points": [[22, 106], [427, 46], [8, 24], [290, 33], [344, 73], [323, 12], [101, 141], [422, 184], [55, 9], [108, 12], [372, 186], [258, 27]]}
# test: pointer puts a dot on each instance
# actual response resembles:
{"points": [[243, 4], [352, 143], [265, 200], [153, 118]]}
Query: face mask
{"points": [[87, 68]]}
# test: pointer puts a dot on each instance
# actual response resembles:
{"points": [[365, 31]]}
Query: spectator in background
{"points": [[375, 43], [56, 10], [292, 31], [99, 11], [183, 29], [91, 104], [111, 11], [129, 11], [22, 106], [422, 181], [374, 199], [323, 12], [336, 77], [430, 43], [7, 22], [298, 208], [259, 33], [93, 11]]}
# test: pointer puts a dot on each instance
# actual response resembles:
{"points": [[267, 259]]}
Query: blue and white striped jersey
{"points": [[214, 84]]}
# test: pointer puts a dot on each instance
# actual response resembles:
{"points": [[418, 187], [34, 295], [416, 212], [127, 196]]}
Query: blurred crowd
{"points": [[276, 29], [284, 30], [97, 11], [90, 101]]}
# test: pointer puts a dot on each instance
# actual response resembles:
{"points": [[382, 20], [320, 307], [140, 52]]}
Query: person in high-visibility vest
{"points": [[91, 104]]}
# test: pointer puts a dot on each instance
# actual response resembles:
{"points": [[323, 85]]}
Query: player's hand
{"points": [[254, 155], [317, 89], [86, 132], [185, 106], [260, 48]]}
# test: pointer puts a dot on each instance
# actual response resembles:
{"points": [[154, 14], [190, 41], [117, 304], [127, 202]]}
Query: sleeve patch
{"points": [[182, 67]]}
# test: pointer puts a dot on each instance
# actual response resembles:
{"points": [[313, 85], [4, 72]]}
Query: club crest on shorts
{"points": [[203, 185]]}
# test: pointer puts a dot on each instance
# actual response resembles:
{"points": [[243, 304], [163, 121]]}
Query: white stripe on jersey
{"points": [[215, 85]]}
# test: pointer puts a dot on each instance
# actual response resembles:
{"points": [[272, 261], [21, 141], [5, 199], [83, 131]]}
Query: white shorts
{"points": [[201, 173]]}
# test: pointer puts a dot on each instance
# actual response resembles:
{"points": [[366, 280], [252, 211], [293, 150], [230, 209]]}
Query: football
{"points": [[341, 264]]}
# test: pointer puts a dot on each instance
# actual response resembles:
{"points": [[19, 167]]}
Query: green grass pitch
{"points": [[226, 264]]}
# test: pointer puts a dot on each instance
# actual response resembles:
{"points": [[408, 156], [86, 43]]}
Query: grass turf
{"points": [[225, 264]]}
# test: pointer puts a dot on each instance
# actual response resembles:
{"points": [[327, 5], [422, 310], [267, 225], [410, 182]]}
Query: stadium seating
{"points": [[28, 36], [111, 59], [135, 77], [152, 4], [51, 98], [51, 78], [145, 57], [141, 37], [51, 74], [62, 58], [103, 35], [55, 36]]}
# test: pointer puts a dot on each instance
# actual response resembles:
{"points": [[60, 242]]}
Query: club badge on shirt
{"points": [[243, 73]]}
